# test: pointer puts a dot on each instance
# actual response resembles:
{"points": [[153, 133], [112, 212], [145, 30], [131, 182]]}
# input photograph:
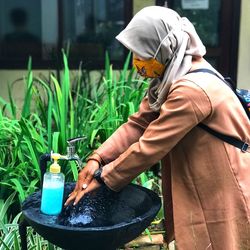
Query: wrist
{"points": [[95, 157], [94, 162]]}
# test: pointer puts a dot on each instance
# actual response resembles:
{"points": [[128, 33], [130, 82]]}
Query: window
{"points": [[41, 28], [217, 23]]}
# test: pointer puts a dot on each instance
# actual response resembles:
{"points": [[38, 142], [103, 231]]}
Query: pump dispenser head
{"points": [[55, 168]]}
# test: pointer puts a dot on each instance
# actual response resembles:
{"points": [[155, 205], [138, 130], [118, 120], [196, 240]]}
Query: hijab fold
{"points": [[160, 33]]}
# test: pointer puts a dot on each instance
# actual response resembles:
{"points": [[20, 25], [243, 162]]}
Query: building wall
{"points": [[139, 4], [7, 77], [244, 47], [16, 79]]}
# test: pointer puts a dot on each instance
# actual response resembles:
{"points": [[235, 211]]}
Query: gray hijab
{"points": [[160, 33]]}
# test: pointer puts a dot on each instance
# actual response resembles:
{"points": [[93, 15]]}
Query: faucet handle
{"points": [[71, 145], [72, 141]]}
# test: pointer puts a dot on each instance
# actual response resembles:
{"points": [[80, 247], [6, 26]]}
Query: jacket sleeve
{"points": [[126, 134], [184, 108]]}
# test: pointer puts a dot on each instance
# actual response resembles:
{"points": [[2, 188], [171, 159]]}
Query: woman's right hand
{"points": [[85, 177]]}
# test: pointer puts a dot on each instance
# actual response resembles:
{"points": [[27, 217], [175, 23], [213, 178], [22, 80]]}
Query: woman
{"points": [[206, 184]]}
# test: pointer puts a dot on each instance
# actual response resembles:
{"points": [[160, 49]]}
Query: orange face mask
{"points": [[149, 68]]}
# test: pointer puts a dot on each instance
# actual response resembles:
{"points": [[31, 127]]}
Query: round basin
{"points": [[103, 219]]}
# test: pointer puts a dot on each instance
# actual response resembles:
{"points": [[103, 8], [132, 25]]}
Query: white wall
{"points": [[244, 47], [17, 76]]}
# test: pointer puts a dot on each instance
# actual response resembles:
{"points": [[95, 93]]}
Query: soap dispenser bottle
{"points": [[53, 187]]}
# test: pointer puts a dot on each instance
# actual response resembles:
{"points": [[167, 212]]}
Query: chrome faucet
{"points": [[71, 152], [71, 156]]}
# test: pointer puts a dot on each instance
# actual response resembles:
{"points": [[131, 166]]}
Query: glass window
{"points": [[90, 27], [204, 16], [20, 29], [41, 28]]}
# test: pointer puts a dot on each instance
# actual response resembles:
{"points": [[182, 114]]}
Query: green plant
{"points": [[53, 112], [9, 235], [116, 99]]}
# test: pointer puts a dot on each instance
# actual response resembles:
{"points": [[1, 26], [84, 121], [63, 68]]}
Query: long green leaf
{"points": [[19, 189], [12, 103], [16, 242], [55, 140], [28, 94], [3, 245], [49, 116], [6, 206]]}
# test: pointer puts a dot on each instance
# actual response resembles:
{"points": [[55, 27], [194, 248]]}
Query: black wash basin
{"points": [[103, 220]]}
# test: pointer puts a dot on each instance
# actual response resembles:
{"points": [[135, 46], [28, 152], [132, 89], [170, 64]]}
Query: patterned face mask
{"points": [[149, 68]]}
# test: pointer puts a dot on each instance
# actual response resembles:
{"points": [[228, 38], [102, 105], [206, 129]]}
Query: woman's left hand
{"points": [[79, 192], [85, 178]]}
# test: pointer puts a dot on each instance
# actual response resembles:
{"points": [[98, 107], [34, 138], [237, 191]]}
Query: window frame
{"points": [[74, 63], [226, 53]]}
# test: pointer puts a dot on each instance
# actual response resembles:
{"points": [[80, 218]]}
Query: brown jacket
{"points": [[206, 182]]}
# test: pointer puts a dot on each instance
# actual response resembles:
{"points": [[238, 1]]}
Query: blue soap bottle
{"points": [[53, 188]]}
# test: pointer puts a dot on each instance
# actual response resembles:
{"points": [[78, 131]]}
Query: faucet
{"points": [[70, 156]]}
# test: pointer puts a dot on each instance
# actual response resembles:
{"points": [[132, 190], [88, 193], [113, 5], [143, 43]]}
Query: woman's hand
{"points": [[85, 183]]}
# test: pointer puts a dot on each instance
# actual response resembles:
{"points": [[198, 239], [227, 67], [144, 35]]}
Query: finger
{"points": [[80, 185], [86, 182], [73, 192], [71, 198], [78, 197], [82, 175], [93, 185]]}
